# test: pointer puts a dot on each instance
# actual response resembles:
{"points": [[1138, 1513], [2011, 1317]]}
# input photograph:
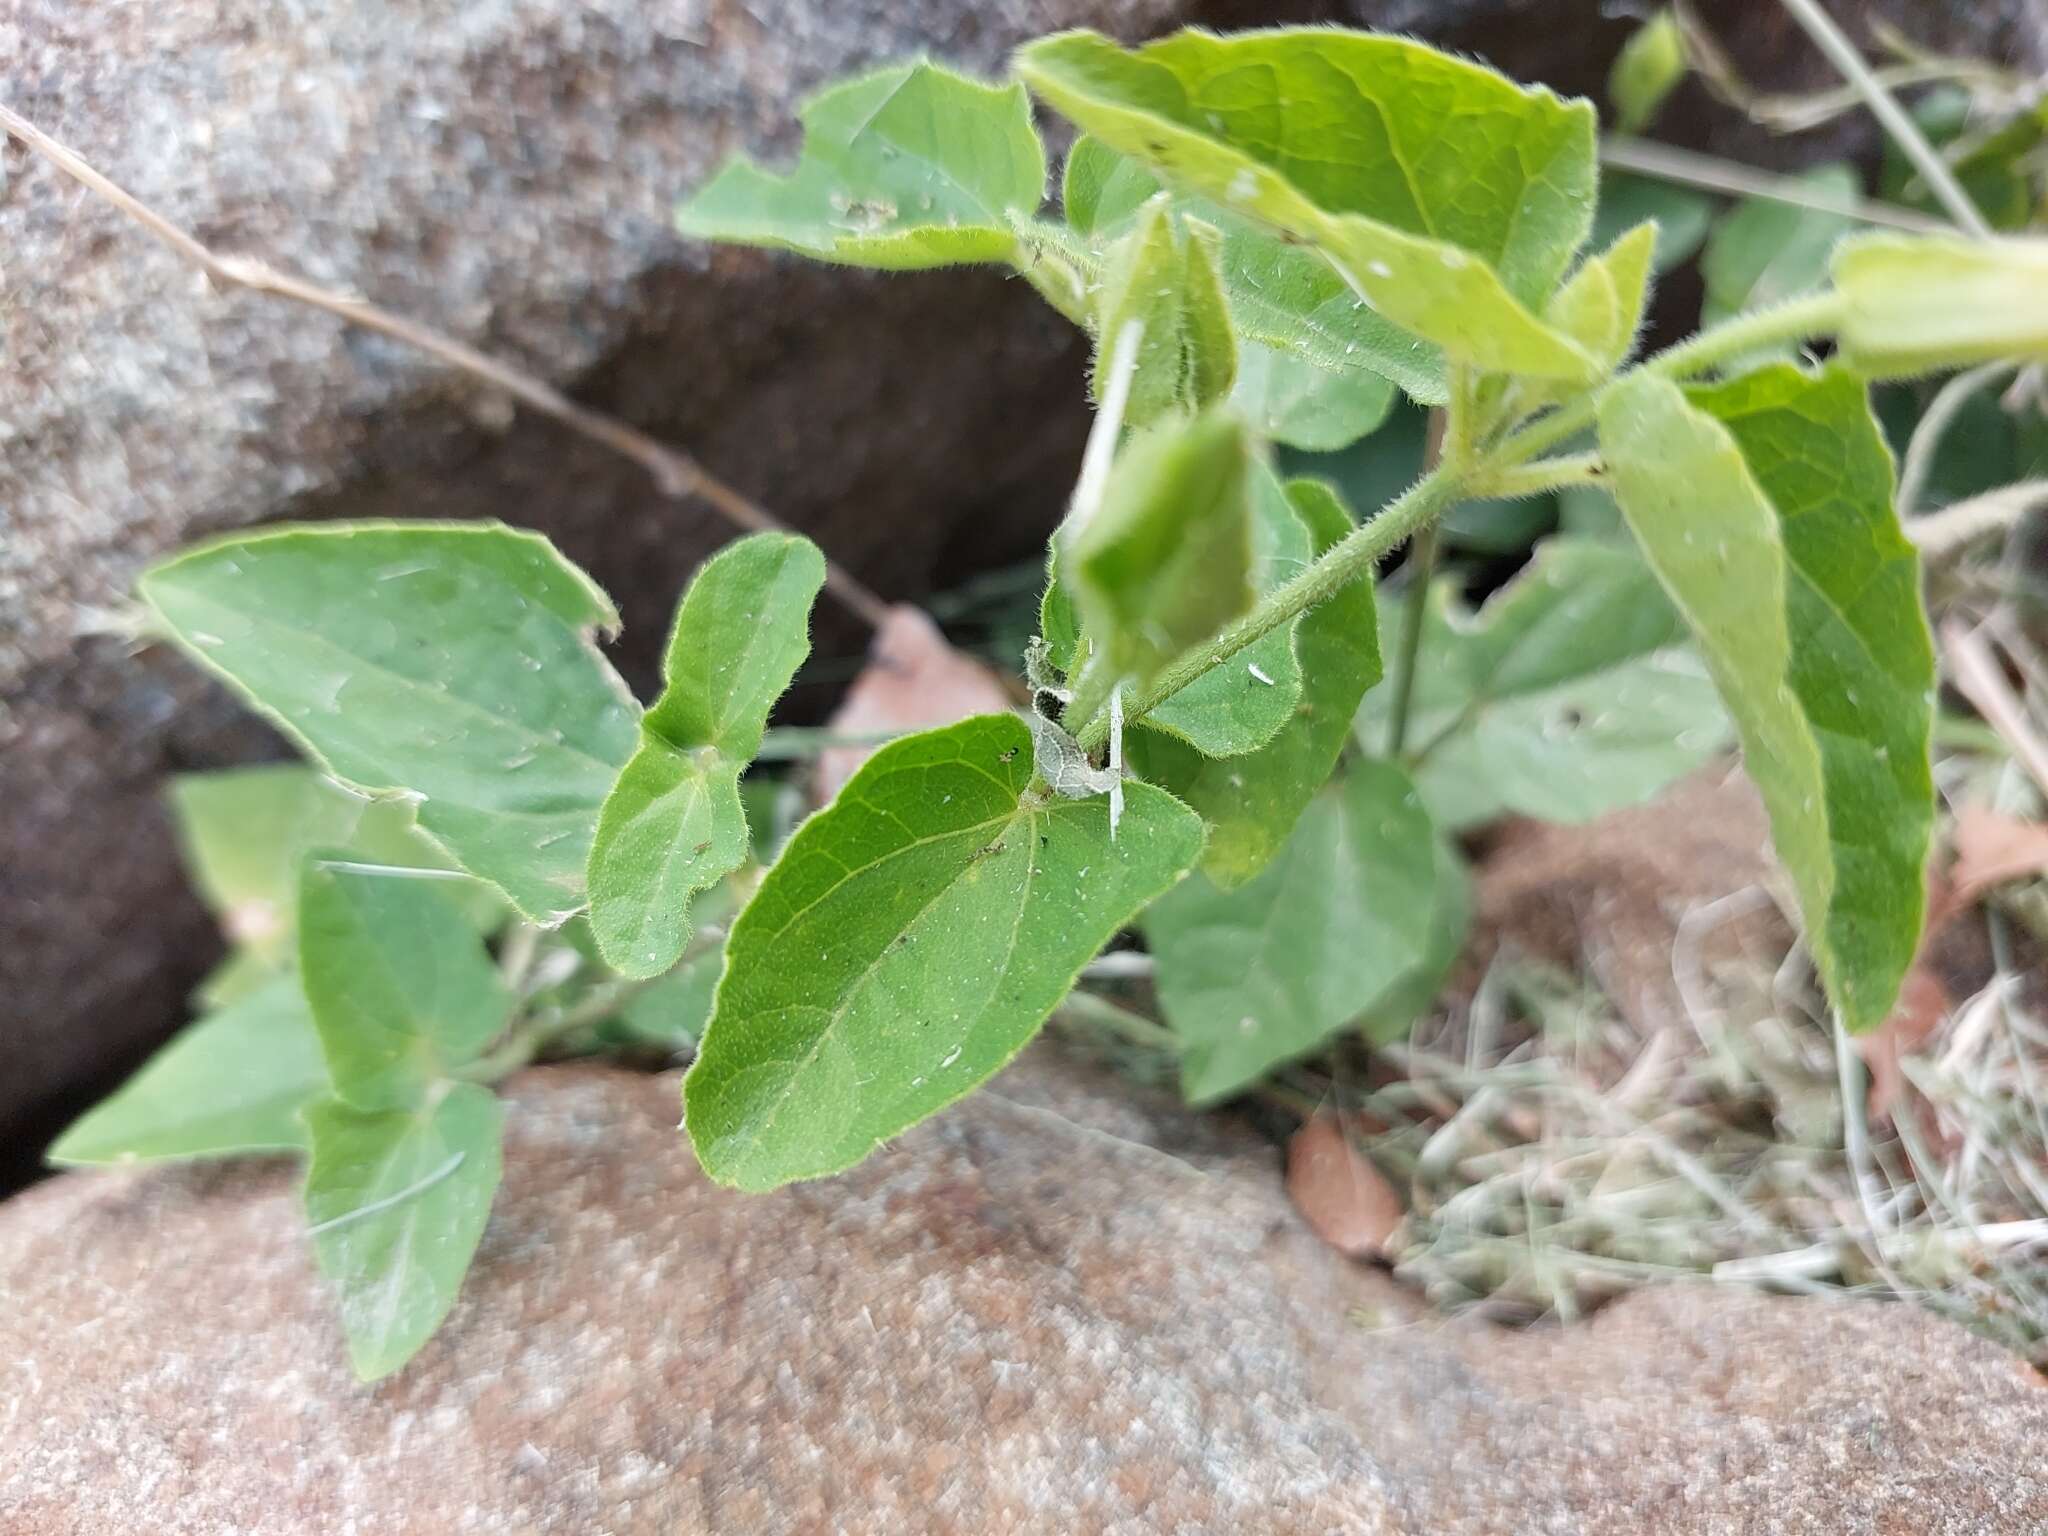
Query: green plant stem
{"points": [[1422, 558], [1884, 106], [1426, 500], [1415, 508], [1539, 478], [1794, 320]]}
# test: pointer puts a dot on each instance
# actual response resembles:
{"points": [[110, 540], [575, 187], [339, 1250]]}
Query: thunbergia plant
{"points": [[1267, 235]]}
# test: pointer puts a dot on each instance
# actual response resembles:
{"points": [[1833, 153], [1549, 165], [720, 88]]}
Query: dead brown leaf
{"points": [[1992, 849], [1344, 1199], [913, 681]]}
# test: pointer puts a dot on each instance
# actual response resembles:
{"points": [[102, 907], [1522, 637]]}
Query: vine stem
{"points": [[675, 473], [1450, 436], [1884, 106], [1423, 502]]}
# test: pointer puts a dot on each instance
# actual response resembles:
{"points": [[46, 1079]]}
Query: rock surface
{"points": [[1060, 1307]]}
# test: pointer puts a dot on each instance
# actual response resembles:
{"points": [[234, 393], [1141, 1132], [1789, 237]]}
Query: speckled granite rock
{"points": [[1059, 1308]]}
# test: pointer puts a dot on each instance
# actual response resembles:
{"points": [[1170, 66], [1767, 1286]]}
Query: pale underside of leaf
{"points": [[910, 167], [398, 1201], [450, 663], [1771, 527], [231, 1083]]}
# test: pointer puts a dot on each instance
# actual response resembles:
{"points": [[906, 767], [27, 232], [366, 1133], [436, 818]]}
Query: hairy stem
{"points": [[1422, 560], [1345, 563], [1422, 503]]}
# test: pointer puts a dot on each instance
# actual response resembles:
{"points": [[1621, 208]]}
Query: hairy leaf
{"points": [[451, 662], [1303, 405], [1257, 976], [1160, 285], [1283, 297], [1914, 305], [398, 1200], [1569, 694], [400, 988], [674, 824], [912, 166], [1166, 560], [233, 1082], [1449, 198], [1238, 707], [1764, 505], [911, 939]]}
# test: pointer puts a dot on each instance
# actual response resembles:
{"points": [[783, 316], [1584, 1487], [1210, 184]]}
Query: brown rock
{"points": [[1608, 899], [1061, 1307]]}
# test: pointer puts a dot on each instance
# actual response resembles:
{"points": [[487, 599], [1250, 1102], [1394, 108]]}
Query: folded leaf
{"points": [[451, 662], [1764, 505], [1166, 560], [1449, 198], [1570, 693], [1283, 297], [233, 1082], [399, 985], [1238, 707], [1160, 286], [911, 939], [398, 1200], [1914, 305], [674, 823], [1260, 975], [1680, 214], [912, 166]]}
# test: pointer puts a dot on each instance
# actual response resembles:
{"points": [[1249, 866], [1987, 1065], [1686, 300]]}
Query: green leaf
{"points": [[1101, 191], [1917, 303], [1290, 400], [674, 823], [1251, 803], [911, 939], [1569, 694], [1411, 994], [1680, 214], [1449, 198], [1166, 560], [400, 988], [447, 661], [1764, 252], [672, 1012], [1162, 280], [1646, 71], [1239, 707], [1764, 505], [397, 1200], [912, 166], [231, 1083], [1601, 305], [1283, 297], [243, 832], [1260, 975]]}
